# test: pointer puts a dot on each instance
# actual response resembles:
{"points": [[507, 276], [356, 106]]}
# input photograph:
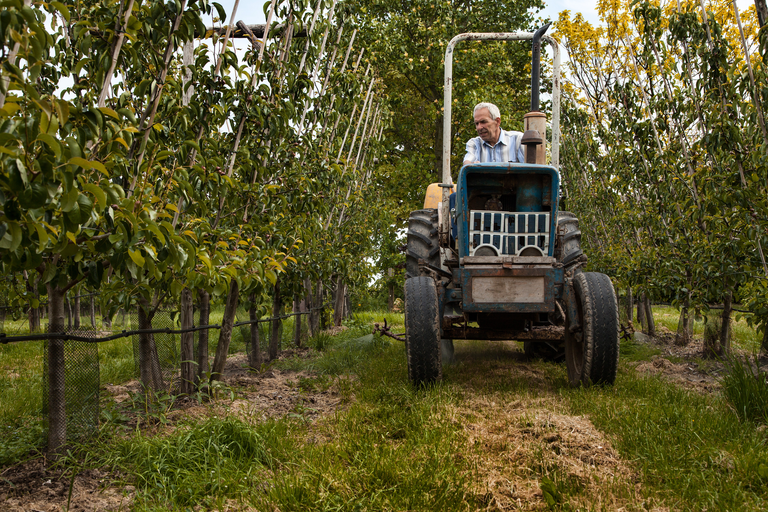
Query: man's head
{"points": [[487, 122]]}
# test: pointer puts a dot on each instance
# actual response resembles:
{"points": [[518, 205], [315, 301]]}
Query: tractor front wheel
{"points": [[592, 350], [422, 331]]}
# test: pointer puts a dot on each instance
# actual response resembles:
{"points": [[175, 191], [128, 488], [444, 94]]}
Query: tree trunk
{"points": [[347, 303], [187, 385], [274, 335], [254, 356], [391, 297], [649, 316], [338, 303], [225, 336], [321, 300], [57, 413], [106, 319], [630, 304], [93, 312], [33, 314], [641, 316], [68, 311], [76, 311], [296, 323], [683, 335], [202, 336], [725, 326], [149, 362], [314, 301]]}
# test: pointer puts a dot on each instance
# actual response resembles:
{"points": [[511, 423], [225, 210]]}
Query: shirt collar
{"points": [[502, 140]]}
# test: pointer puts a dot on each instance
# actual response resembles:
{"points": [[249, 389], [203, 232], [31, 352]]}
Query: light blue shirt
{"points": [[503, 151]]}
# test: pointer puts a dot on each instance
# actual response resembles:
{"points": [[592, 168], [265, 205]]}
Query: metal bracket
{"points": [[571, 306]]}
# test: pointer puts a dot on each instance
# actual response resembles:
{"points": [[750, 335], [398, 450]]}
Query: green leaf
{"points": [[98, 194], [61, 8], [88, 164], [221, 11], [22, 171], [109, 112], [51, 142], [154, 229], [34, 196], [69, 200], [137, 258], [12, 238], [42, 238]]}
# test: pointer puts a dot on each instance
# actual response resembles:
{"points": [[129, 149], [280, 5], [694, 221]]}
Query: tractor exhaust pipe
{"points": [[535, 122], [536, 66]]}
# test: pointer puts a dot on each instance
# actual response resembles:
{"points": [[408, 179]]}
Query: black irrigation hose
{"points": [[5, 339]]}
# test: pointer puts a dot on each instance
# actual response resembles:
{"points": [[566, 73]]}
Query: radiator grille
{"points": [[508, 232]]}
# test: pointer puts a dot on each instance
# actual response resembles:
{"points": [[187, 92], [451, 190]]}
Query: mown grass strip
{"points": [[690, 448]]}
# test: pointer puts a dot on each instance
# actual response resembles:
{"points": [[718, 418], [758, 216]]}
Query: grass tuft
{"points": [[745, 388], [221, 458]]}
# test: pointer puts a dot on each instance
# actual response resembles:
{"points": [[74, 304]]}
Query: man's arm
{"points": [[471, 157]]}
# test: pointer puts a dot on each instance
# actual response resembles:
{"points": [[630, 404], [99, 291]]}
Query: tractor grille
{"points": [[508, 232]]}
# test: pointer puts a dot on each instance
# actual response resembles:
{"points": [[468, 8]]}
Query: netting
{"points": [[161, 351], [713, 327], [78, 370], [244, 332]]}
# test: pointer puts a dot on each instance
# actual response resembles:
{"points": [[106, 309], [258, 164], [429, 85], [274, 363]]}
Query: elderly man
{"points": [[492, 143]]}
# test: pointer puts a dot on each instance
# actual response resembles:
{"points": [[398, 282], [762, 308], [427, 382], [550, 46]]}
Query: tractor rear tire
{"points": [[422, 331], [422, 241], [592, 351], [568, 242]]}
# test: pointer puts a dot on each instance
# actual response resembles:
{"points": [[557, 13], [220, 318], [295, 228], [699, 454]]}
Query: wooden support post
{"points": [[391, 300]]}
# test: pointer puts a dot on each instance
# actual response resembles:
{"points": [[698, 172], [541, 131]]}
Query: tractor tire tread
{"points": [[422, 241], [423, 346], [599, 348]]}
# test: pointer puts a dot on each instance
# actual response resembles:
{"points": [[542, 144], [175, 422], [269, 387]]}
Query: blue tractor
{"points": [[492, 258]]}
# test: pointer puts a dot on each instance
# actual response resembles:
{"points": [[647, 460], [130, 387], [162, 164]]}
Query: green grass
{"points": [[691, 449], [743, 336], [745, 387], [393, 447]]}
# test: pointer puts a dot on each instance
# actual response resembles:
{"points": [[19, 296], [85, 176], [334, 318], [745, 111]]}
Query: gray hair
{"points": [[492, 109]]}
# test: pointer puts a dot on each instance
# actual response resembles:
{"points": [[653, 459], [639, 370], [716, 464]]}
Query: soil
{"points": [[686, 365]]}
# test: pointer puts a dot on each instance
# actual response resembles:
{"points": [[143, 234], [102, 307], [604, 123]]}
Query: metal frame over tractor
{"points": [[500, 261]]}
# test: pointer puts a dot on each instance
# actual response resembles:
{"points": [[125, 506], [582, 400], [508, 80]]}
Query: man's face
{"points": [[487, 127]]}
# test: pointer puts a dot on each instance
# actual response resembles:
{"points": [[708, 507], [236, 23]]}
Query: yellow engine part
{"points": [[435, 195]]}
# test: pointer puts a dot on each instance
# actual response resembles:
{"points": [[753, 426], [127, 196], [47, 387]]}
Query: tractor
{"points": [[492, 258]]}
